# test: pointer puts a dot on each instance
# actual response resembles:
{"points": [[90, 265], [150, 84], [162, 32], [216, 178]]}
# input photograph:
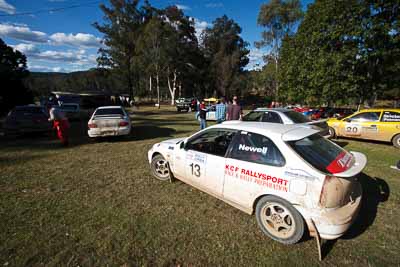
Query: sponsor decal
{"points": [[387, 117], [259, 178], [171, 148], [341, 163], [196, 157], [262, 150], [298, 173]]}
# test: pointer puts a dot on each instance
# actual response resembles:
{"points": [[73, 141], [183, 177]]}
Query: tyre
{"points": [[332, 133], [160, 168], [179, 110], [279, 220], [396, 141]]}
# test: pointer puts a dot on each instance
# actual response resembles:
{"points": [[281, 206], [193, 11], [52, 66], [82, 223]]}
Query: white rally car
{"points": [[109, 121], [291, 177]]}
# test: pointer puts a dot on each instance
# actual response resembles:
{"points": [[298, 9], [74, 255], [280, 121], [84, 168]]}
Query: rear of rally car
{"points": [[109, 122], [341, 193]]}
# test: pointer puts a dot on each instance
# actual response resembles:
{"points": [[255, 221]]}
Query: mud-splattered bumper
{"points": [[332, 224]]}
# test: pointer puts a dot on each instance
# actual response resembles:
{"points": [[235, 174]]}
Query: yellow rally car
{"points": [[372, 124]]}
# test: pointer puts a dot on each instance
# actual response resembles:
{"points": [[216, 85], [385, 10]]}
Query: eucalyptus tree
{"points": [[226, 53], [279, 18]]}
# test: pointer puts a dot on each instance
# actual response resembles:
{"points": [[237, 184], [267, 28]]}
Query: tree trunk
{"points": [[276, 79], [158, 90], [173, 88]]}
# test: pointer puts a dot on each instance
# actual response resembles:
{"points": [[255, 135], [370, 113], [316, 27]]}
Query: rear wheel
{"points": [[279, 220], [160, 168], [332, 133], [396, 141]]}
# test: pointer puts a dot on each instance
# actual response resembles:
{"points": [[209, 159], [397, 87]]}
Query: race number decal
{"points": [[195, 169], [352, 129], [195, 164]]}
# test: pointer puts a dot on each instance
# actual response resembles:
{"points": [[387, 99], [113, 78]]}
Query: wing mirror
{"points": [[347, 120], [182, 145]]}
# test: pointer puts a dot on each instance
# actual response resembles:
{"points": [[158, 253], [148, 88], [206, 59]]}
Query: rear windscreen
{"points": [[69, 107], [109, 112], [296, 117], [322, 154], [253, 116]]}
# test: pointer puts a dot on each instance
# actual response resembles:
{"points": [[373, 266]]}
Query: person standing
{"points": [[60, 123], [234, 110], [203, 115], [220, 111]]}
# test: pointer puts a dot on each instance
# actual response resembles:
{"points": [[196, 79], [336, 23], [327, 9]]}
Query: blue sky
{"points": [[65, 40]]}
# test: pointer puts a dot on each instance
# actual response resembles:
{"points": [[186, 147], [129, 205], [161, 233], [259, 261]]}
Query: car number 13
{"points": [[195, 169]]}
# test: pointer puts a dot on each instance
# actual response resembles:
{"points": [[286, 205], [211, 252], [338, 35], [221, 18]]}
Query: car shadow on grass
{"points": [[375, 191], [144, 132]]}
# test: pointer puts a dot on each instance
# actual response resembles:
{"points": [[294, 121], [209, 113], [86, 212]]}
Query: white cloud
{"points": [[214, 5], [41, 68], [22, 33], [200, 26], [6, 7], [255, 59], [75, 57], [79, 39], [182, 7], [27, 49]]}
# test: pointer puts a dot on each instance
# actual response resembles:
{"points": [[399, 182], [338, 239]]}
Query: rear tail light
{"points": [[92, 125], [123, 123]]}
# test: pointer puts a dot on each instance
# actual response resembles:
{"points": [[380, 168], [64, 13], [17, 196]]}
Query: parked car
{"points": [[286, 116], [211, 114], [371, 124], [27, 119], [288, 175], [71, 110], [186, 104], [339, 113], [109, 121]]}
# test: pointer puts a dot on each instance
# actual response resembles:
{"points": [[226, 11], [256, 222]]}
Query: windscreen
{"points": [[322, 154], [29, 111], [296, 117], [109, 112]]}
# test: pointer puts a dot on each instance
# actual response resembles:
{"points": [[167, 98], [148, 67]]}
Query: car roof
{"points": [[287, 132], [273, 109], [107, 107], [380, 109]]}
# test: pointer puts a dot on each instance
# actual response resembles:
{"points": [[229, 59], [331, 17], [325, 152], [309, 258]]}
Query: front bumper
{"points": [[332, 224]]}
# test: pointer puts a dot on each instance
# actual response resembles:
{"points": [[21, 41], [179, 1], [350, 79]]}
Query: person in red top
{"points": [[60, 123]]}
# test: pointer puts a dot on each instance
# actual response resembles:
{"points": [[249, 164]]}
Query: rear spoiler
{"points": [[298, 133], [360, 161]]}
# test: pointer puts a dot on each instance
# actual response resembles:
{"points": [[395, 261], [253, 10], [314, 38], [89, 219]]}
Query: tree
{"points": [[343, 50], [182, 50], [226, 53], [12, 72], [279, 18], [121, 30], [152, 46]]}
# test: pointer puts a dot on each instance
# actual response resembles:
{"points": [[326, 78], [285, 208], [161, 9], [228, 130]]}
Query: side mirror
{"points": [[182, 145], [347, 120]]}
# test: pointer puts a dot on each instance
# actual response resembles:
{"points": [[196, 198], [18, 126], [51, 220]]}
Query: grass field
{"points": [[96, 204]]}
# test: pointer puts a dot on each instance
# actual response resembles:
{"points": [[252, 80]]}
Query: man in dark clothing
{"points": [[234, 111], [203, 115]]}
